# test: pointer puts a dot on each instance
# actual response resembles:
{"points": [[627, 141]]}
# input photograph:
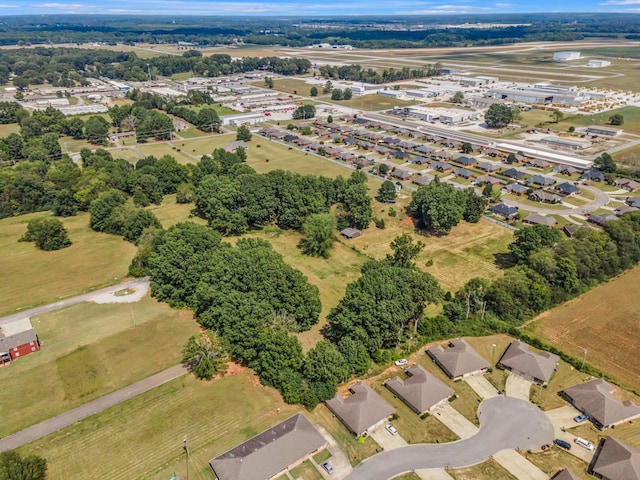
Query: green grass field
{"points": [[33, 277], [89, 350]]}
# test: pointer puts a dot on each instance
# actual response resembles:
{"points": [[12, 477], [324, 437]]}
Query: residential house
{"points": [[504, 211], [540, 180], [537, 367], [459, 360], [538, 219], [516, 189], [466, 161], [17, 339], [421, 391], [546, 197], [567, 189], [513, 173], [464, 173], [596, 399], [593, 175], [271, 452], [600, 220], [615, 460], [361, 411]]}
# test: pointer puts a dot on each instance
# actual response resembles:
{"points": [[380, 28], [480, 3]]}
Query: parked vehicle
{"points": [[584, 443], [391, 429], [580, 418], [562, 444], [327, 467]]}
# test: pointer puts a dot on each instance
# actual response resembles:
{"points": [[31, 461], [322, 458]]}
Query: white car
{"points": [[402, 362], [391, 429]]}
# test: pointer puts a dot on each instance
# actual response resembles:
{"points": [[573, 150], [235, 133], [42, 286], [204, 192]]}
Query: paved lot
{"points": [[482, 386], [386, 440], [433, 474], [339, 460], [518, 387], [518, 466], [455, 421], [563, 418], [506, 423]]}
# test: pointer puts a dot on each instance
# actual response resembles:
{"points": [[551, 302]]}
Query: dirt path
{"points": [[88, 409]]}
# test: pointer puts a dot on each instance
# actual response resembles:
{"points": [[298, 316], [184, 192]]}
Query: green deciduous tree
{"points": [[203, 356], [47, 233], [319, 229]]}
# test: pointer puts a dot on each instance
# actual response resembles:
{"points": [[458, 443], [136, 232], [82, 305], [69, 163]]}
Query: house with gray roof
{"points": [[459, 360], [271, 452], [565, 474], [361, 411], [616, 460], [596, 399], [537, 367], [421, 390], [539, 219]]}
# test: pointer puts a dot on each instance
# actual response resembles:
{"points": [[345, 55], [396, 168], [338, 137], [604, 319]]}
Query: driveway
{"points": [[455, 421], [518, 466], [386, 440], [518, 387], [339, 459], [482, 386], [506, 423], [562, 418]]}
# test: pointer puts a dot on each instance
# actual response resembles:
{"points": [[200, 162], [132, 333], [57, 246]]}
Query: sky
{"points": [[311, 7]]}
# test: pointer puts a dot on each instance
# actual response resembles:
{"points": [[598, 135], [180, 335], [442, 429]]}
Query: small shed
{"points": [[351, 233]]}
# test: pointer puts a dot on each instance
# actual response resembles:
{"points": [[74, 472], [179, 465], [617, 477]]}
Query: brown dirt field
{"points": [[605, 321]]}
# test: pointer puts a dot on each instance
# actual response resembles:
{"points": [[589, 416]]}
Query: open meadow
{"points": [[605, 322], [33, 277], [89, 350]]}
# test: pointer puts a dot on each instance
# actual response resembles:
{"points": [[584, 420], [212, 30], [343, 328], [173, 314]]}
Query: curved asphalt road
{"points": [[506, 423]]}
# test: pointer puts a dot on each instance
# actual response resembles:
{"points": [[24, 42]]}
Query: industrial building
{"points": [[566, 56]]}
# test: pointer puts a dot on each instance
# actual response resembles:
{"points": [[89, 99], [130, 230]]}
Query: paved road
{"points": [[85, 297], [506, 423], [88, 409]]}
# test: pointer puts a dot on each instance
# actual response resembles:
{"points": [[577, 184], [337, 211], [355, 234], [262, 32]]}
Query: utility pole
{"points": [[186, 451]]}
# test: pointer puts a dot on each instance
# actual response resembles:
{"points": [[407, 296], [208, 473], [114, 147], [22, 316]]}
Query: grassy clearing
{"points": [[555, 459], [565, 376], [489, 470], [90, 350], [200, 410], [604, 321], [33, 277], [307, 471], [331, 276]]}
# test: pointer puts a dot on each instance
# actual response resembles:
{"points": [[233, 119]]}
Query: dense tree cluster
{"points": [[439, 207], [233, 198]]}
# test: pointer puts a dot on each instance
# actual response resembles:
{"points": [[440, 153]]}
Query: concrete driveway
{"points": [[506, 423], [386, 440], [518, 466], [455, 421], [482, 386], [563, 418], [518, 387], [339, 459]]}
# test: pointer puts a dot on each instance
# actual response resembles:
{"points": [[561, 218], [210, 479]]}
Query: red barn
{"points": [[17, 339]]}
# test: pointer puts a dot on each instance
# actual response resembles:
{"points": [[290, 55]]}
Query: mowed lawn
{"points": [[33, 277], [605, 322], [89, 350], [142, 437]]}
